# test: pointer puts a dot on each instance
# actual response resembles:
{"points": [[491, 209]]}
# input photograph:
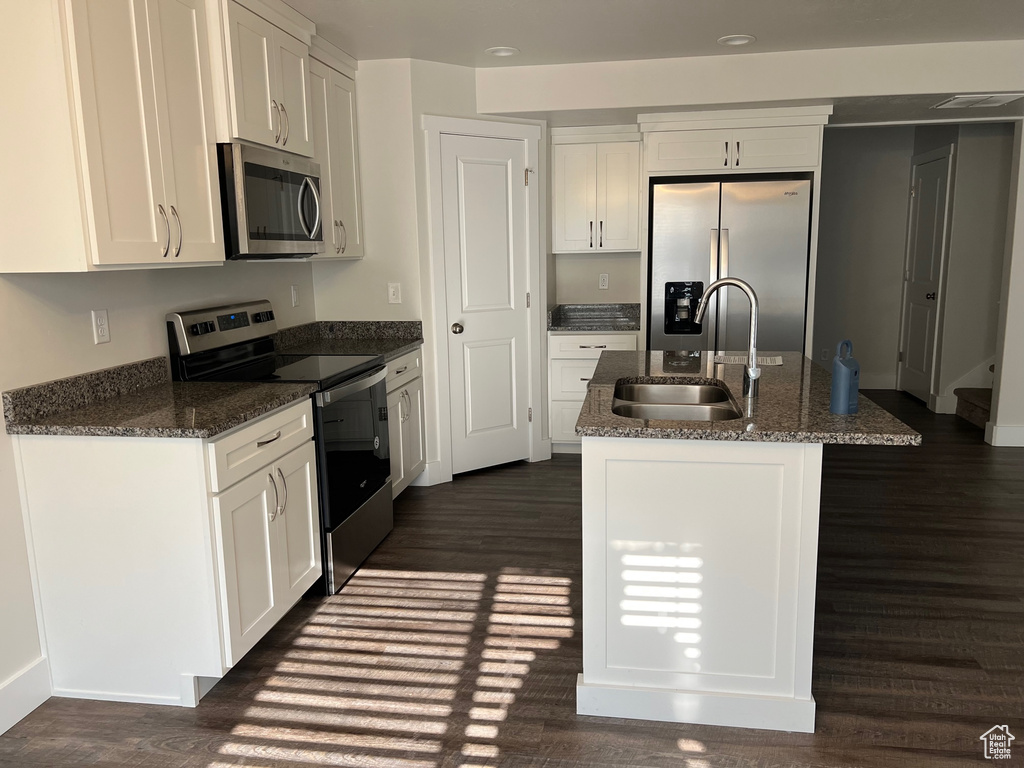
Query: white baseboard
{"points": [[130, 698], [878, 381], [567, 448], [22, 692], [431, 475], [1004, 435], [736, 711]]}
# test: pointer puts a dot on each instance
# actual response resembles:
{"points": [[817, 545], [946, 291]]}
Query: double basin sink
{"points": [[674, 402]]}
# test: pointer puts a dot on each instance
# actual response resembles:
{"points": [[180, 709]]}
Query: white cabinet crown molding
{"points": [[734, 118], [279, 14], [328, 53]]}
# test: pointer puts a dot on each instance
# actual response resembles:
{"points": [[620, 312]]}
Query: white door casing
{"points": [[927, 236], [485, 253]]}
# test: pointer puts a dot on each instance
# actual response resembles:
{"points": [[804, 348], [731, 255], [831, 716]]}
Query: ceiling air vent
{"points": [[978, 100]]}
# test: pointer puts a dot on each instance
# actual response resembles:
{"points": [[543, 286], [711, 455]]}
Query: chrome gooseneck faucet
{"points": [[751, 373]]}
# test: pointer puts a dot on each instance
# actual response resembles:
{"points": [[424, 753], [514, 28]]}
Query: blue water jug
{"points": [[845, 380]]}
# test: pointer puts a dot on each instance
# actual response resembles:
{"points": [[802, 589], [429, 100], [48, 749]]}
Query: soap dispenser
{"points": [[845, 380]]}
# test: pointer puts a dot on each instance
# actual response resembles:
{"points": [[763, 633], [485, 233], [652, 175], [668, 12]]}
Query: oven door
{"points": [[352, 435], [274, 206]]}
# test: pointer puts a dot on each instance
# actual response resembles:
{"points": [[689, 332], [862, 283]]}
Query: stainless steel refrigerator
{"points": [[757, 231]]}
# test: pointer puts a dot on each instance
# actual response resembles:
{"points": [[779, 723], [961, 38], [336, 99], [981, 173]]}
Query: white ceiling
{"points": [[566, 31]]}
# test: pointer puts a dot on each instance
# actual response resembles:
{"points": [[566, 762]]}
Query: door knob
{"points": [[457, 328], [930, 296]]}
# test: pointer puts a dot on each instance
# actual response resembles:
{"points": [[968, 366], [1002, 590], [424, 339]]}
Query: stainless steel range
{"points": [[234, 343]]}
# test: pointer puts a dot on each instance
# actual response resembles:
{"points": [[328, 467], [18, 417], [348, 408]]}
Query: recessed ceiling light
{"points": [[502, 50], [736, 39]]}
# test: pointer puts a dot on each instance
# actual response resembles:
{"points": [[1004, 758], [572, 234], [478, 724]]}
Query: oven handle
{"points": [[375, 376]]}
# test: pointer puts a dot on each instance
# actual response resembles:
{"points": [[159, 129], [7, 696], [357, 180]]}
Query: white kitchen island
{"points": [[700, 545]]}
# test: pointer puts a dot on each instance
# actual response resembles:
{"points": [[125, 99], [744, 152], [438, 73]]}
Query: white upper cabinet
{"points": [[738, 149], [132, 146], [269, 86], [596, 204], [335, 149]]}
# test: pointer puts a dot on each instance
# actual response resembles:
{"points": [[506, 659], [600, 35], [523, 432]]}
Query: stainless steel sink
{"points": [[688, 394], [676, 411], [674, 402]]}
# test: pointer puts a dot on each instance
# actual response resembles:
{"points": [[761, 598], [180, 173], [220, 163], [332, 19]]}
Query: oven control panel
{"points": [[200, 330]]}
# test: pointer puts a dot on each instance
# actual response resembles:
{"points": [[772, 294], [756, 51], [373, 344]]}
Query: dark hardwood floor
{"points": [[458, 643]]}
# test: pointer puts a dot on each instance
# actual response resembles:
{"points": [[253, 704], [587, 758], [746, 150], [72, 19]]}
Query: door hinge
{"points": [[527, 300], [529, 414], [526, 176], [913, 193]]}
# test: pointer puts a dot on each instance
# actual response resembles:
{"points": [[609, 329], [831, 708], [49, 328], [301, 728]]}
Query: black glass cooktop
{"points": [[325, 370]]}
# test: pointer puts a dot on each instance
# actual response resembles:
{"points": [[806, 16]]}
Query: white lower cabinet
{"points": [[268, 551], [161, 561], [405, 421], [573, 357]]}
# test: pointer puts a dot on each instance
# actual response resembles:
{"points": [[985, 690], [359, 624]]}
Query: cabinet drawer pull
{"points": [[593, 346], [725, 163], [269, 440], [284, 484], [582, 379], [403, 369], [277, 499], [591, 234], [737, 154], [273, 105]]}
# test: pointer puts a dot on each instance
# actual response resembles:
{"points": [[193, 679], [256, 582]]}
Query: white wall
{"points": [[861, 235], [754, 78], [975, 266], [47, 335], [577, 276], [357, 290], [1006, 426]]}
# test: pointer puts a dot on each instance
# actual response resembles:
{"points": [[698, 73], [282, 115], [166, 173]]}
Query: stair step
{"points": [[974, 404]]}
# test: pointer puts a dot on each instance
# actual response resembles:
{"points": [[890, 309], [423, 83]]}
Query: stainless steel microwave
{"points": [[271, 203]]}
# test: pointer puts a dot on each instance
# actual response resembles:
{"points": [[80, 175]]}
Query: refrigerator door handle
{"points": [[723, 296], [711, 319]]}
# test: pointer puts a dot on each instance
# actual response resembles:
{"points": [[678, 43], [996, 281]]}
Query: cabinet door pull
{"points": [[591, 234], [167, 226], [344, 235], [593, 346], [287, 125], [725, 162], [337, 226], [737, 154], [273, 105], [284, 484], [181, 232], [269, 440], [277, 499], [408, 407], [600, 235]]}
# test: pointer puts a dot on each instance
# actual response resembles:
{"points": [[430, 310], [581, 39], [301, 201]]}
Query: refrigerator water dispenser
{"points": [[681, 301]]}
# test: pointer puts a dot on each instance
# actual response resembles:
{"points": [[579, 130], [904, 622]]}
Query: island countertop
{"points": [[792, 405]]}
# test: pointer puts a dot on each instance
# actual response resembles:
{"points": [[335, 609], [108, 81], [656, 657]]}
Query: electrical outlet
{"points": [[394, 293], [602, 282], [295, 295], [100, 327], [824, 355]]}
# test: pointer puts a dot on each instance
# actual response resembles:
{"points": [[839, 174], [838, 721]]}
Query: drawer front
{"points": [[563, 421], [404, 369], [569, 378], [590, 344], [237, 454]]}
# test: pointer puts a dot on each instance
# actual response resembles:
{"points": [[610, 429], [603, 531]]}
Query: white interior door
{"points": [[484, 204], [926, 247]]}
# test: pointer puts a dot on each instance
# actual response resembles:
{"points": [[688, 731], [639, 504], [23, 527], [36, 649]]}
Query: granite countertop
{"points": [[594, 317], [792, 405], [139, 400], [170, 409]]}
